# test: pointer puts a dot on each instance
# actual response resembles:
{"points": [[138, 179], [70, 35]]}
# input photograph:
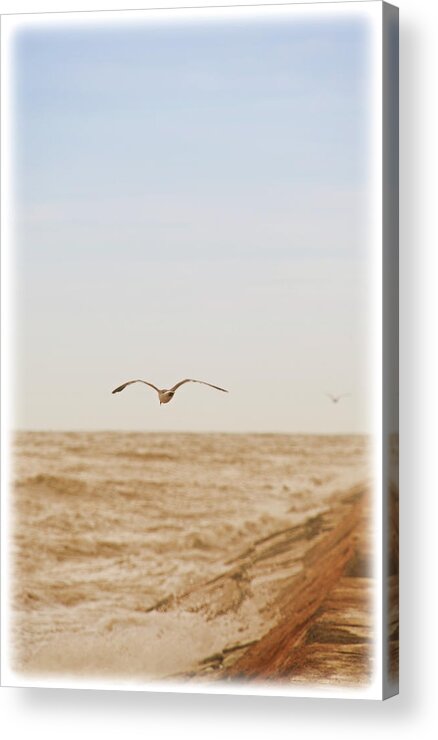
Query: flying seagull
{"points": [[336, 399], [165, 395]]}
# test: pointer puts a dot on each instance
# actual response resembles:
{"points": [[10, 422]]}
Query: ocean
{"points": [[113, 534]]}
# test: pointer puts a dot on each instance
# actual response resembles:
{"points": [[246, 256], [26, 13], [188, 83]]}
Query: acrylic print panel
{"points": [[197, 194]]}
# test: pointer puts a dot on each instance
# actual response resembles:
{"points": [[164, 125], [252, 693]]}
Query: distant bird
{"points": [[165, 395], [336, 399]]}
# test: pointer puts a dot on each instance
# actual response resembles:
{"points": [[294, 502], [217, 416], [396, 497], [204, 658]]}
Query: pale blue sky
{"points": [[192, 200]]}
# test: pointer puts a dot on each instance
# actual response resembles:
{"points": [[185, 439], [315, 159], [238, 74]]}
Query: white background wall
{"points": [[32, 713]]}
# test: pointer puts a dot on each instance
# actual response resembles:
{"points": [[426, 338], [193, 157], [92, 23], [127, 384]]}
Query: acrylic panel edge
{"points": [[390, 348]]}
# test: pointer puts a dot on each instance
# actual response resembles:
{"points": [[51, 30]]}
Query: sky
{"points": [[191, 199]]}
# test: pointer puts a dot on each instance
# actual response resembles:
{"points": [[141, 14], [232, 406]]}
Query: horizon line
{"points": [[187, 431]]}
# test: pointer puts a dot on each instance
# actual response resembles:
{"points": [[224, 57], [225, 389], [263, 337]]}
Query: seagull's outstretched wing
{"points": [[190, 380], [121, 387]]}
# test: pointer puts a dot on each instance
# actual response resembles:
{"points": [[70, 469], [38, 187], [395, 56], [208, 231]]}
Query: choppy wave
{"points": [[58, 484]]}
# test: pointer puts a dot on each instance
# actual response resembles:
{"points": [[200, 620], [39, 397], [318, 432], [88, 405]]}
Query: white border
{"points": [[370, 10]]}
